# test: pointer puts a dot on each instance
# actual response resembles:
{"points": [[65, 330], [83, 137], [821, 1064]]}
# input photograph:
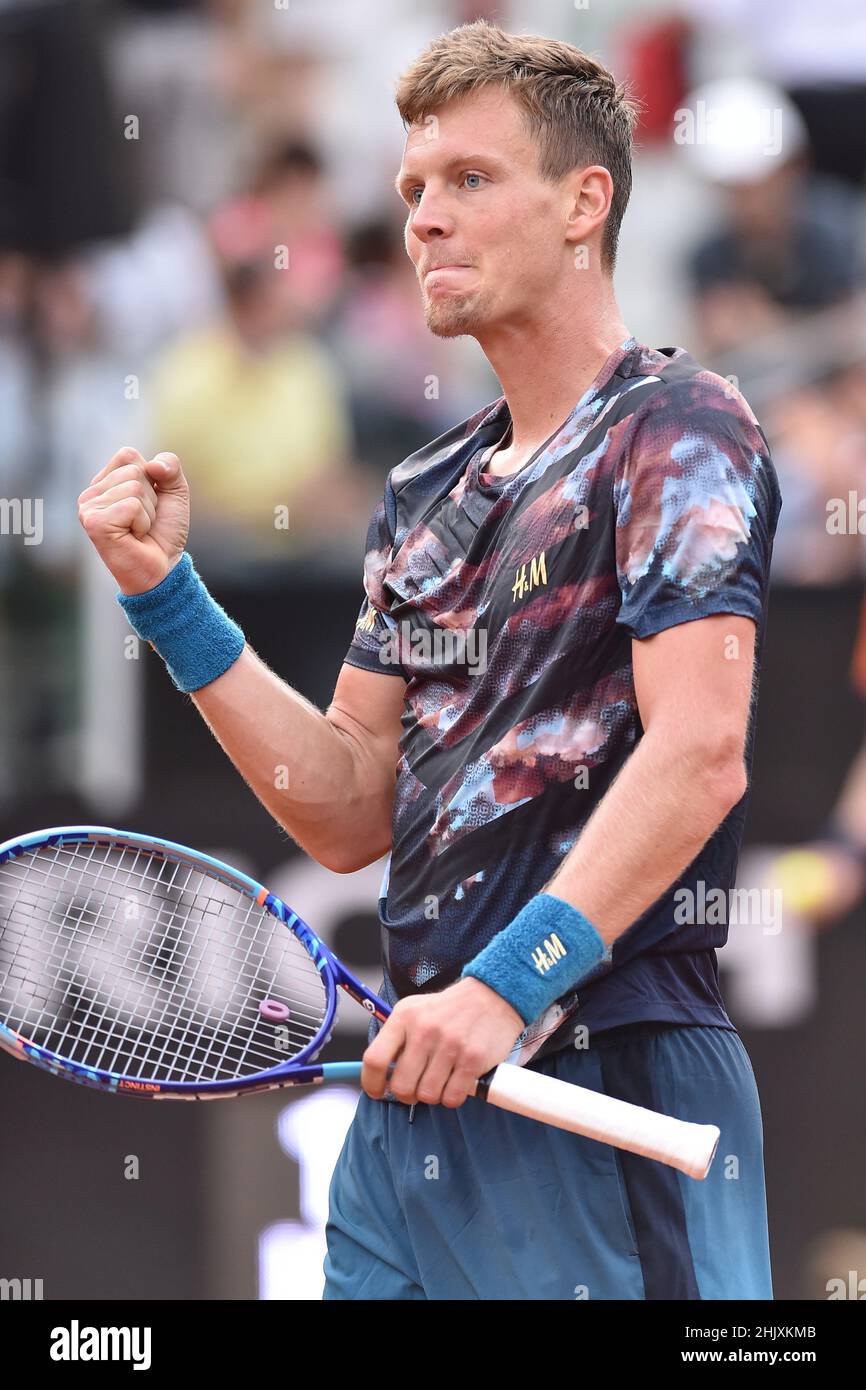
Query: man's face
{"points": [[484, 232]]}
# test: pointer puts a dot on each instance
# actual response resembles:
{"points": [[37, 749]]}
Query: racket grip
{"points": [[679, 1143]]}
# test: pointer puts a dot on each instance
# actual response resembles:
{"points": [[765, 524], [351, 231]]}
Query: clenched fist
{"points": [[136, 512]]}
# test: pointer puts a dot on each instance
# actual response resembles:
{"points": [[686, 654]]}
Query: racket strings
{"points": [[87, 1027], [125, 960]]}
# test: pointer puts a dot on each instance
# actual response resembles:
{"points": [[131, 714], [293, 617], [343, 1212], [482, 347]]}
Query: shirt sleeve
{"points": [[696, 501], [374, 646]]}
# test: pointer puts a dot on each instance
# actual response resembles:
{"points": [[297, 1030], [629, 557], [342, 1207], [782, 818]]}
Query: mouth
{"points": [[437, 269]]}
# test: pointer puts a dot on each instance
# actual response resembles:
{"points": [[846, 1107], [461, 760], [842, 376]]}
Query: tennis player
{"points": [[544, 719]]}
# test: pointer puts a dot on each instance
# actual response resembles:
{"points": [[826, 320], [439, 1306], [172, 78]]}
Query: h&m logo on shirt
{"points": [[524, 583]]}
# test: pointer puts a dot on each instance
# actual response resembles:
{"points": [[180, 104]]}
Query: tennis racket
{"points": [[143, 968]]}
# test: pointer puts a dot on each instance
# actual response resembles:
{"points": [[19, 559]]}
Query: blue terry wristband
{"points": [[540, 956], [196, 638]]}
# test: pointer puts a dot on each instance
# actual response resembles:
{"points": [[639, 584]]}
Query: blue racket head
{"points": [[141, 967]]}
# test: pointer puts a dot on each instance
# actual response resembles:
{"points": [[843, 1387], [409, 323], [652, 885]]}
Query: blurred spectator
{"points": [[819, 448], [817, 53], [323, 70], [824, 879], [290, 185], [788, 241], [77, 333], [147, 287], [775, 289], [406, 386], [255, 409]]}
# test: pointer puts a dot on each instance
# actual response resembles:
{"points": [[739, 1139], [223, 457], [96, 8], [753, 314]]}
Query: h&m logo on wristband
{"points": [[545, 956]]}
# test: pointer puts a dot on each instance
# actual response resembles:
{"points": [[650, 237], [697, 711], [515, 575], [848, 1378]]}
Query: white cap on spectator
{"points": [[739, 130]]}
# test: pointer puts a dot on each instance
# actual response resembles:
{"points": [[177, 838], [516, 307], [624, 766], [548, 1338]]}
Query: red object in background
{"points": [[655, 62], [242, 230], [245, 231]]}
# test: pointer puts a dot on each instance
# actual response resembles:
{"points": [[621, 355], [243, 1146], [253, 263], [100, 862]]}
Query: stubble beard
{"points": [[456, 315]]}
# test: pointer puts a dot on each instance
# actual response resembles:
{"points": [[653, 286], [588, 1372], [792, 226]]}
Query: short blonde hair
{"points": [[574, 108]]}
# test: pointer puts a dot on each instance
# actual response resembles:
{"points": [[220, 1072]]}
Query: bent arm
{"points": [[685, 775], [328, 779]]}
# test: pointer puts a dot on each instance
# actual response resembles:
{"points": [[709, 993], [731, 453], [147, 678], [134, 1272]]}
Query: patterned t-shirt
{"points": [[509, 605]]}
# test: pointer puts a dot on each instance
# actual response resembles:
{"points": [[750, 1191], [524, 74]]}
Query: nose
{"points": [[431, 218]]}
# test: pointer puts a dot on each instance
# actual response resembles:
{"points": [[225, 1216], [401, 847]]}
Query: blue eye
{"points": [[413, 202]]}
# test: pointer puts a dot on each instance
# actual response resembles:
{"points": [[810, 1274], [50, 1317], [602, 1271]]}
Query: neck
{"points": [[545, 365]]}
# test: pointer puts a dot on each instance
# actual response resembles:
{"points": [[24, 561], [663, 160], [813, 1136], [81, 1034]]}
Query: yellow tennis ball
{"points": [[805, 878]]}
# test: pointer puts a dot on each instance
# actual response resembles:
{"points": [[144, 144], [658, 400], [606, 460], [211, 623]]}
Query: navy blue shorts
{"points": [[475, 1203]]}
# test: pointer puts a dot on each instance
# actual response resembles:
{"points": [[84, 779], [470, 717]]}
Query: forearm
{"points": [[312, 771], [659, 812]]}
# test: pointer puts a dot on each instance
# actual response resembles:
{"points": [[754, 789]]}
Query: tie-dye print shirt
{"points": [[508, 605]]}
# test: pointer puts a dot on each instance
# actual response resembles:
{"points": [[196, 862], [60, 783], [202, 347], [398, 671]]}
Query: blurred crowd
{"points": [[181, 271], [201, 251]]}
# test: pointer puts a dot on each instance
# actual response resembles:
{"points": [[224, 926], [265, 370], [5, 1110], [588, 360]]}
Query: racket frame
{"points": [[682, 1144], [302, 1070]]}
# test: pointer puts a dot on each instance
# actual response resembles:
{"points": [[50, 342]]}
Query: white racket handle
{"points": [[679, 1143]]}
